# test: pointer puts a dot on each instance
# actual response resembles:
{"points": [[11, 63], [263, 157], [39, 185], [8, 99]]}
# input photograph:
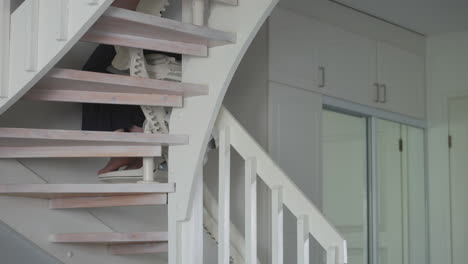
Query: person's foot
{"points": [[115, 164], [130, 163]]}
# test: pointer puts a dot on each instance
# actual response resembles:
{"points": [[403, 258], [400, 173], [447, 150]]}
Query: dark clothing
{"points": [[110, 117]]}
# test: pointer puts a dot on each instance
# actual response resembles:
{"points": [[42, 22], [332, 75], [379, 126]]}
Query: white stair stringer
{"points": [[41, 34], [198, 116], [35, 221]]}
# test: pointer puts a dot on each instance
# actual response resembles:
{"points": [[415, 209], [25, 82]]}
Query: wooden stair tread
{"points": [[76, 80], [56, 191], [109, 238], [129, 28], [134, 249], [26, 137], [228, 2]]}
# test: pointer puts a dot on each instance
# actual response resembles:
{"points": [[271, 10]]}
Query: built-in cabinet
{"points": [[313, 55]]}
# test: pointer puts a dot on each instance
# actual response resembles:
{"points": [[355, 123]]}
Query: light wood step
{"points": [[228, 2], [109, 238], [65, 85], [108, 201], [45, 143], [133, 29], [65, 191], [133, 249]]}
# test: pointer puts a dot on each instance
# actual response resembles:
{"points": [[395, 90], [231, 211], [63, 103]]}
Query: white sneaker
{"points": [[163, 67]]}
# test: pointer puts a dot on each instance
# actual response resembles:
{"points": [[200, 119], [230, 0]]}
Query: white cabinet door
{"points": [[402, 73], [347, 65], [293, 49], [295, 145]]}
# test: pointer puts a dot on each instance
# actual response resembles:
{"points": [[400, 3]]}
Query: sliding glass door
{"points": [[345, 179], [400, 201], [373, 188]]}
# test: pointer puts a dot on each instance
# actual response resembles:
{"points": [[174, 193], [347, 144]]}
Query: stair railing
{"points": [[4, 46], [284, 192]]}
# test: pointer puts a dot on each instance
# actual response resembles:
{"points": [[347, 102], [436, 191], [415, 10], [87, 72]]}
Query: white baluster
{"points": [[198, 9], [251, 211], [148, 170], [4, 46], [224, 196], [331, 255], [277, 225], [63, 20], [303, 240], [32, 36]]}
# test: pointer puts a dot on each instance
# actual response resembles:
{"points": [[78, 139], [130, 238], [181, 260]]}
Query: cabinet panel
{"points": [[295, 145], [402, 73], [293, 49], [349, 65]]}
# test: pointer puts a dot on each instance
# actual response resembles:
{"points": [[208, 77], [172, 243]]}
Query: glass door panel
{"points": [[344, 195], [401, 206]]}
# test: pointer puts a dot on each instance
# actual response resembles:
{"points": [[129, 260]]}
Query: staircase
{"points": [[38, 34]]}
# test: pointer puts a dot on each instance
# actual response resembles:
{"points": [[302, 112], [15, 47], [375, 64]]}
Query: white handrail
{"points": [[293, 198], [4, 46]]}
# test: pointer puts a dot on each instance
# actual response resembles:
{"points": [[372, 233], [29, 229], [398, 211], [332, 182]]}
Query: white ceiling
{"points": [[428, 17]]}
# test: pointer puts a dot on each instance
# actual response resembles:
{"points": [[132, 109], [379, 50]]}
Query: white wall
{"points": [[447, 76]]}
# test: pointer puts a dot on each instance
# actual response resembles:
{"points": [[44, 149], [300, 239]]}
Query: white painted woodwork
{"points": [[302, 240], [224, 193], [295, 131], [80, 151], [148, 169], [338, 62], [349, 64], [109, 238], [4, 47], [277, 233], [294, 199], [210, 221], [55, 191], [217, 69], [26, 137], [109, 201], [93, 2], [55, 95], [293, 49], [331, 255], [198, 12], [403, 75], [173, 36], [134, 249], [49, 49], [251, 211], [63, 19], [32, 36]]}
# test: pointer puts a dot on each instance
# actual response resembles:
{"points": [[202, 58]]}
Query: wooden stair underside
{"points": [[133, 29], [65, 85], [64, 191], [110, 238], [44, 143]]}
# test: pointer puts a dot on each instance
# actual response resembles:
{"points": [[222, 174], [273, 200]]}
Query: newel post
{"points": [[4, 46]]}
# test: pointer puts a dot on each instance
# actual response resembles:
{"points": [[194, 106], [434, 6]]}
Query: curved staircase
{"points": [[40, 33]]}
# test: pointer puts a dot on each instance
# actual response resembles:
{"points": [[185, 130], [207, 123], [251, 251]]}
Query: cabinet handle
{"points": [[377, 88], [322, 74], [384, 88]]}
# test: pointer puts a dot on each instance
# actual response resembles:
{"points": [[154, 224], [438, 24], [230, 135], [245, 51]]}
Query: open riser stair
{"points": [[95, 222]]}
